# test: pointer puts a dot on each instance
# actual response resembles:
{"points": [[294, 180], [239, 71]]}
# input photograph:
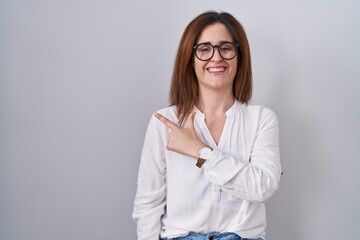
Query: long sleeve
{"points": [[150, 199], [256, 177]]}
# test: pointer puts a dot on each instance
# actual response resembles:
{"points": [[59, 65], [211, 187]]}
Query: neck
{"points": [[215, 103]]}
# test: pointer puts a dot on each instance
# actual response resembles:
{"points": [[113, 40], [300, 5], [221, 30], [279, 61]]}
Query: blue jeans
{"points": [[211, 236]]}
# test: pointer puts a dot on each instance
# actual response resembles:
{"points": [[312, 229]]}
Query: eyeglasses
{"points": [[205, 51]]}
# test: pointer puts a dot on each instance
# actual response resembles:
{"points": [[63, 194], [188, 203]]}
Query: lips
{"points": [[216, 70]]}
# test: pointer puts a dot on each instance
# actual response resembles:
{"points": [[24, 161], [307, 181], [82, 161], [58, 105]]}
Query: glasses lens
{"points": [[204, 51], [227, 51]]}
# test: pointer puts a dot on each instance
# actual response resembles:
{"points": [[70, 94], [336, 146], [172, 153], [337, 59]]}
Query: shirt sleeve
{"points": [[254, 179], [150, 198]]}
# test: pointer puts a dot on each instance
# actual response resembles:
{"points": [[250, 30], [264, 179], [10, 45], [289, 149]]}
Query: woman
{"points": [[210, 160]]}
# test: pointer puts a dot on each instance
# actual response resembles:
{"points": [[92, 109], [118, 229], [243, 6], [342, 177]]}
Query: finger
{"points": [[166, 121], [190, 120]]}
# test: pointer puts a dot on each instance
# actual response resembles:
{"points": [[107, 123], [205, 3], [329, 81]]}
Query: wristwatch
{"points": [[204, 154]]}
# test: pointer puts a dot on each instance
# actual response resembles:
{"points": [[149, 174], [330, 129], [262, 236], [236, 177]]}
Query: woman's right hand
{"points": [[182, 140]]}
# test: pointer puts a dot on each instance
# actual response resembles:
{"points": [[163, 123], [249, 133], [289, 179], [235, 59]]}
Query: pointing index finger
{"points": [[166, 121]]}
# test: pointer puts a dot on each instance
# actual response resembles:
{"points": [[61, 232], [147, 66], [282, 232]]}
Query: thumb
{"points": [[190, 121]]}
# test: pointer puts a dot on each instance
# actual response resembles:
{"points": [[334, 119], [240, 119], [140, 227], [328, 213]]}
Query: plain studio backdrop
{"points": [[79, 81]]}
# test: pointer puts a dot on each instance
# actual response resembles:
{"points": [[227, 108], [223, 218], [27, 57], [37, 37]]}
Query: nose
{"points": [[216, 57]]}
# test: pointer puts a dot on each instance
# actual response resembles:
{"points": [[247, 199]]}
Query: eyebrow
{"points": [[221, 42]]}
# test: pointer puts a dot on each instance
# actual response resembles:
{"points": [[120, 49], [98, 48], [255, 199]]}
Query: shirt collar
{"points": [[230, 112]]}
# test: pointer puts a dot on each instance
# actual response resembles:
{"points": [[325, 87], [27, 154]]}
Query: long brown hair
{"points": [[184, 90]]}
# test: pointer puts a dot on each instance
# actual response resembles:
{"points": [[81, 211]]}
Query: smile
{"points": [[216, 69]]}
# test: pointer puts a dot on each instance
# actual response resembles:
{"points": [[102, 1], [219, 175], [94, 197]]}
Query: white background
{"points": [[79, 81]]}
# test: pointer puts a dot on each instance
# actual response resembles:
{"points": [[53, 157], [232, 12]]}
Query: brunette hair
{"points": [[184, 90]]}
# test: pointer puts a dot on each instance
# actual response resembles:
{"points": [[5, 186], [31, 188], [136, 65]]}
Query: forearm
{"points": [[147, 216], [248, 181]]}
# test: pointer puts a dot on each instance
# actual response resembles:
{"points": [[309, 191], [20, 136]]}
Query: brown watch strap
{"points": [[200, 162]]}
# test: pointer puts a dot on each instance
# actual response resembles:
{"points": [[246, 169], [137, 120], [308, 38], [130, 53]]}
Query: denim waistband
{"points": [[211, 236]]}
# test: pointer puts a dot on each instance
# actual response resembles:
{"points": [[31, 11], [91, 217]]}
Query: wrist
{"points": [[196, 148], [205, 153]]}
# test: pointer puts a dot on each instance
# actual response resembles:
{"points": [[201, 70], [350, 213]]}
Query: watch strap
{"points": [[200, 162]]}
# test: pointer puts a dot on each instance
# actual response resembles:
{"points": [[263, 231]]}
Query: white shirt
{"points": [[174, 197]]}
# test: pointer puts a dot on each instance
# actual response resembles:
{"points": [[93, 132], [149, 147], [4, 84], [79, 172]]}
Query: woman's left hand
{"points": [[182, 140]]}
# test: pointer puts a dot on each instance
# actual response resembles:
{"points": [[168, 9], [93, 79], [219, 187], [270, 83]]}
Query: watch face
{"points": [[205, 153]]}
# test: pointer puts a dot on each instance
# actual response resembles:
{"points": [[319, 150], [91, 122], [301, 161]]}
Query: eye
{"points": [[204, 49], [227, 47]]}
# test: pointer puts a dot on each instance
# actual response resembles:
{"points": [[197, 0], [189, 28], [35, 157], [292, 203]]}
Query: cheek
{"points": [[234, 68], [199, 68]]}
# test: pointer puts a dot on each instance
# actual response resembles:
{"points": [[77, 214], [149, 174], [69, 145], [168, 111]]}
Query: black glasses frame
{"points": [[218, 48]]}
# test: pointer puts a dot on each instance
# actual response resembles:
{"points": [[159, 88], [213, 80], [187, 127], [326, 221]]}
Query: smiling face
{"points": [[216, 73]]}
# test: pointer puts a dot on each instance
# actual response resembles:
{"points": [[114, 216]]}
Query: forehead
{"points": [[215, 34]]}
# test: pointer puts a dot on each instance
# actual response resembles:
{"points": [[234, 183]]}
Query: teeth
{"points": [[219, 69]]}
